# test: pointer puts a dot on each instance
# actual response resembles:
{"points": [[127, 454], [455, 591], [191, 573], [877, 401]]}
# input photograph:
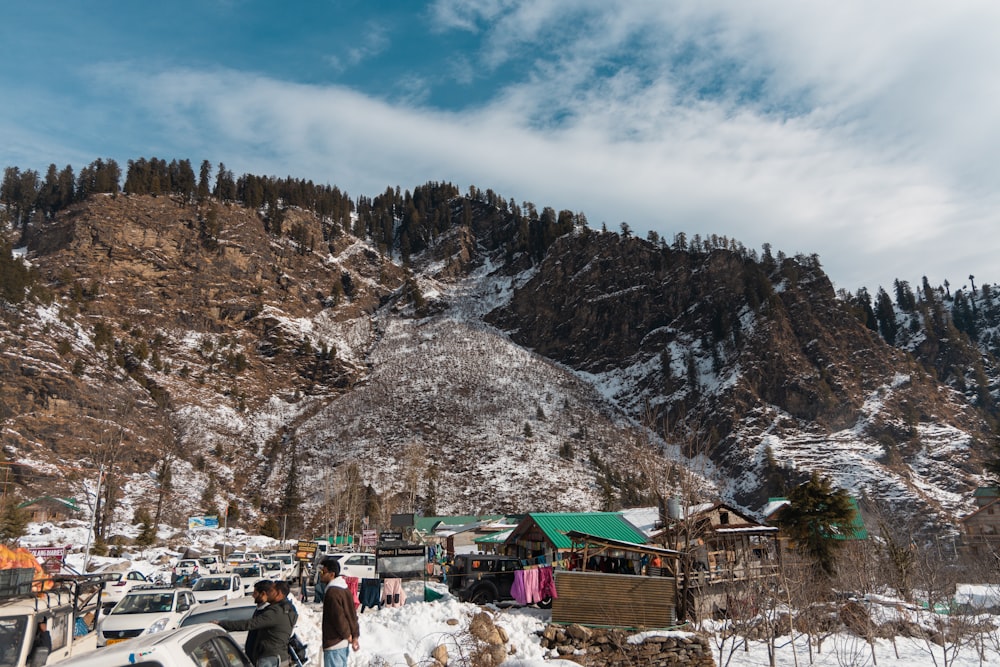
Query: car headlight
{"points": [[159, 626]]}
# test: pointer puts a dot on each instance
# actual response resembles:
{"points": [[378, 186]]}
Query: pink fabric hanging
{"points": [[393, 594], [517, 588], [531, 591], [352, 585], [546, 583]]}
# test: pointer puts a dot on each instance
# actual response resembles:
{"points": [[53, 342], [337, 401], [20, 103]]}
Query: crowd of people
{"points": [[272, 625]]}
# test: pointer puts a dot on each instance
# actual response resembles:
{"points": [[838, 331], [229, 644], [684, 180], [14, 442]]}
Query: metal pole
{"points": [[93, 519], [225, 532]]}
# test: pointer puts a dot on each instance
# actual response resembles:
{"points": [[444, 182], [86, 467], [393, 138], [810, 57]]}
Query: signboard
{"points": [[305, 551], [405, 562], [51, 558], [202, 522], [390, 536], [369, 537]]}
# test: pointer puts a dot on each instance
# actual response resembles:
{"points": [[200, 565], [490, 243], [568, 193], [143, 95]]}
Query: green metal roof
{"points": [[987, 492], [610, 525], [855, 530], [68, 503]]}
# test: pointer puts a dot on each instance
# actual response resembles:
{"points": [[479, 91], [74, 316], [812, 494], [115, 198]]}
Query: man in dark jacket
{"points": [[268, 629], [340, 620]]}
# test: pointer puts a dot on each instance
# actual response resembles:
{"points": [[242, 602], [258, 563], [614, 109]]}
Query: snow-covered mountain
{"points": [[302, 374]]}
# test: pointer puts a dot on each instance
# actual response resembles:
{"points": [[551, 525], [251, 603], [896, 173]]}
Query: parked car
{"points": [[273, 570], [250, 574], [119, 583], [238, 610], [290, 566], [482, 578], [145, 610], [202, 644], [225, 609], [213, 565], [187, 567], [240, 557], [361, 566], [214, 587]]}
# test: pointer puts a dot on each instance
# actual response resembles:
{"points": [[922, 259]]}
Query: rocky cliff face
{"points": [[743, 351], [292, 371]]}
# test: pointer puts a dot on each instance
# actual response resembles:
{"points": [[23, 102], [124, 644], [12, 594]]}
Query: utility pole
{"points": [[225, 530]]}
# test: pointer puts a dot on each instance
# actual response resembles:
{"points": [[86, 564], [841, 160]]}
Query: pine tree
{"points": [[13, 522], [885, 314], [203, 176], [813, 516]]}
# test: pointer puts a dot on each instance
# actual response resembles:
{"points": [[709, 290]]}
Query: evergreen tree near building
{"points": [[816, 511], [13, 522]]}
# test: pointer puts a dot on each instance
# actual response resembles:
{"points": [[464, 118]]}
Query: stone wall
{"points": [[597, 647]]}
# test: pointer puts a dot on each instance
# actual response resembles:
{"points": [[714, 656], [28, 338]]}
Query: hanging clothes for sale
{"points": [[393, 594], [352, 585], [546, 584], [517, 588], [371, 594], [531, 591]]}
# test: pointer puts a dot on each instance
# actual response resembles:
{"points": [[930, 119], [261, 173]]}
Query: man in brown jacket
{"points": [[340, 620]]}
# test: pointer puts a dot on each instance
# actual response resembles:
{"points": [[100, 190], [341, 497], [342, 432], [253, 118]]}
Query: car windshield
{"points": [[145, 603], [272, 565], [211, 584], [11, 638], [247, 571]]}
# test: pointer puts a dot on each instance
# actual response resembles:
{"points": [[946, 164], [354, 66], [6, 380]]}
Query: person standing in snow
{"points": [[340, 620], [268, 629]]}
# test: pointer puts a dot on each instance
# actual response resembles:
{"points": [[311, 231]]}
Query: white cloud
{"points": [[373, 41], [861, 132]]}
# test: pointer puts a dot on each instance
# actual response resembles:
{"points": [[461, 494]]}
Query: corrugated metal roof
{"points": [[610, 525], [495, 538], [986, 492], [854, 530], [426, 524]]}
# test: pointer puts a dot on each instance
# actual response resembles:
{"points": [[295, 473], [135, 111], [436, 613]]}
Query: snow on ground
{"points": [[388, 635]]}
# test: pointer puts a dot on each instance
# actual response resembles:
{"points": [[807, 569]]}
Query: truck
{"points": [[61, 602], [482, 578]]}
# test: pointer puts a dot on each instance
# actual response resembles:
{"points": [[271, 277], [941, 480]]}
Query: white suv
{"points": [[202, 644], [145, 610], [361, 566]]}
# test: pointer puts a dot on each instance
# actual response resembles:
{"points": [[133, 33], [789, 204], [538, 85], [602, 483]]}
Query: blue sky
{"points": [[865, 132]]}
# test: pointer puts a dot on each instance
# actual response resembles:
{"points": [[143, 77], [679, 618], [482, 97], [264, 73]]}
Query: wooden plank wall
{"points": [[615, 600]]}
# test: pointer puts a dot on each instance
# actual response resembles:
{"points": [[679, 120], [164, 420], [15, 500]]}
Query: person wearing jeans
{"points": [[340, 620]]}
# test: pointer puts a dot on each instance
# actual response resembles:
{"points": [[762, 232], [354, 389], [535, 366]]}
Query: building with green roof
{"points": [[544, 534]]}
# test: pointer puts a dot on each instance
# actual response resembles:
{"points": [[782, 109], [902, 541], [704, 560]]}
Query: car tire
{"points": [[482, 595]]}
